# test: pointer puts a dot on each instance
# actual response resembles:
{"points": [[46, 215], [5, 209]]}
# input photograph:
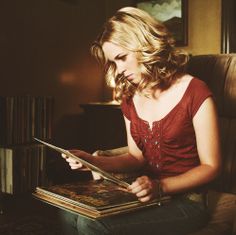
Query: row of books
{"points": [[22, 117], [22, 168]]}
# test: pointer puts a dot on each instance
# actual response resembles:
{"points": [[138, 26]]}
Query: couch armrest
{"points": [[234, 225], [222, 210]]}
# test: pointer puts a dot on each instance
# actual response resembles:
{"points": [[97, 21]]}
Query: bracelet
{"points": [[160, 192]]}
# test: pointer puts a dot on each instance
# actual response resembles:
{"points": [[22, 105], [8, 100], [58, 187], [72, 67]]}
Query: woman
{"points": [[171, 125]]}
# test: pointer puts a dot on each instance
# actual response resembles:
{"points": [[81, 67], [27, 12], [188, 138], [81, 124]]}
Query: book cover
{"points": [[104, 174], [94, 198]]}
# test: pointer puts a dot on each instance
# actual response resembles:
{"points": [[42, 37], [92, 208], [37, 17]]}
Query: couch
{"points": [[219, 72]]}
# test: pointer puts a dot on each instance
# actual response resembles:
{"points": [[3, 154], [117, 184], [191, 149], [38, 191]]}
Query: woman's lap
{"points": [[180, 216]]}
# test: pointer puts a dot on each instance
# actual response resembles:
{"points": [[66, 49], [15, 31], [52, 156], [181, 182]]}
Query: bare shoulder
{"points": [[185, 79], [181, 84]]}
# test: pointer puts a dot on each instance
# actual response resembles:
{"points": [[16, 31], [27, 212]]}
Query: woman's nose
{"points": [[120, 68]]}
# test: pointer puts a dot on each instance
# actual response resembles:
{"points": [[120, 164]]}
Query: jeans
{"points": [[178, 217]]}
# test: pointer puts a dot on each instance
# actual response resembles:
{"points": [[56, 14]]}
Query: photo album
{"points": [[93, 198]]}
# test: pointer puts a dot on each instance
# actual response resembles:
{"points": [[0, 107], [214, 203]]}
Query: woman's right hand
{"points": [[72, 163], [75, 164]]}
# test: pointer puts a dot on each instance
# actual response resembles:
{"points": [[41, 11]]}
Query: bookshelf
{"points": [[22, 161]]}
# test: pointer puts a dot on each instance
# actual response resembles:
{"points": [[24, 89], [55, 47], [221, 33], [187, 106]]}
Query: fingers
{"points": [[143, 188], [75, 165], [96, 176], [72, 163], [146, 199], [97, 153], [64, 156]]}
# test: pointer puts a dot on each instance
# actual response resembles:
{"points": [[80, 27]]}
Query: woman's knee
{"points": [[90, 227], [68, 222]]}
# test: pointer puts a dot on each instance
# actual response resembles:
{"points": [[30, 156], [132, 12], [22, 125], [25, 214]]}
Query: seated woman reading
{"points": [[171, 124]]}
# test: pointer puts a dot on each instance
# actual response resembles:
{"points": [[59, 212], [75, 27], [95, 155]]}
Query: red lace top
{"points": [[170, 146]]}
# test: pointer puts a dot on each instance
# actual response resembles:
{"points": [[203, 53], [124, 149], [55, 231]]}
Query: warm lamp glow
{"points": [[68, 78]]}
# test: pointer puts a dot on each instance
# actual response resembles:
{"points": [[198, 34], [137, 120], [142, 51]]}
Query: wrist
{"points": [[160, 188], [160, 192]]}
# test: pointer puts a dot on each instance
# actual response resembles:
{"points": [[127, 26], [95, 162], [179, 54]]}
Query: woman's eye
{"points": [[123, 57]]}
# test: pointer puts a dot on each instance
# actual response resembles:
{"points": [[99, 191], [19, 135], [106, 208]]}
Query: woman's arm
{"points": [[208, 144]]}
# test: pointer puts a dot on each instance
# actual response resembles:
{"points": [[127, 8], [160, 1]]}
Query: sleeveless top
{"points": [[170, 146]]}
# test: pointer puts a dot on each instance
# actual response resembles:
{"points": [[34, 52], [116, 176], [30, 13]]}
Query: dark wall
{"points": [[44, 50]]}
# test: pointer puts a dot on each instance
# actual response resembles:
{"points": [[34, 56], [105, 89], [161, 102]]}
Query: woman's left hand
{"points": [[144, 188]]}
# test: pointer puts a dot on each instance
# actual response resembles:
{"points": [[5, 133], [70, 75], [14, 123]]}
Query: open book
{"points": [[90, 166], [94, 199]]}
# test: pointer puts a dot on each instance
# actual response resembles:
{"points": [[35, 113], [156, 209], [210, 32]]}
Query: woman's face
{"points": [[126, 61]]}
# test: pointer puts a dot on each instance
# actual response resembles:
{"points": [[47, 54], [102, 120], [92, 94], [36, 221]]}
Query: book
{"points": [[90, 166], [93, 198]]}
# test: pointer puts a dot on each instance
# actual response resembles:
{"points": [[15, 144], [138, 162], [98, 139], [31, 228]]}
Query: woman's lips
{"points": [[129, 77], [123, 78]]}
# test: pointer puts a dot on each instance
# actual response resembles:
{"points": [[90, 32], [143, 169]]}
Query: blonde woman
{"points": [[171, 125]]}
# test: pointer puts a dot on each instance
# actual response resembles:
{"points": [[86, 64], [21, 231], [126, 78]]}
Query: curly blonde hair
{"points": [[136, 31]]}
